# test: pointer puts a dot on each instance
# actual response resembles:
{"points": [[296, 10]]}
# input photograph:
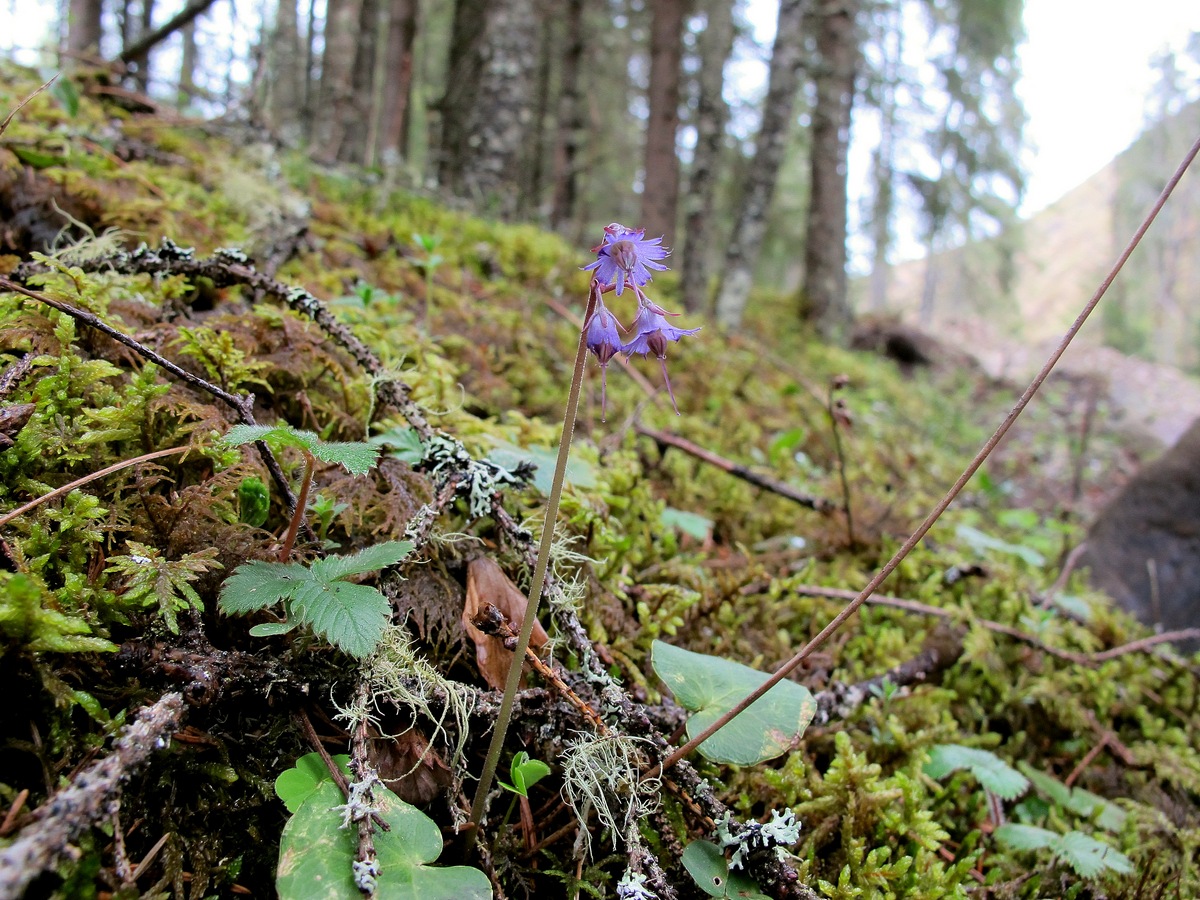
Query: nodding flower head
{"points": [[602, 339], [651, 333], [626, 256]]}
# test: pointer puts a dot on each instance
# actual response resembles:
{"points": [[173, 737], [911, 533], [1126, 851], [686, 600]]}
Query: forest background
{"points": [[776, 145]]}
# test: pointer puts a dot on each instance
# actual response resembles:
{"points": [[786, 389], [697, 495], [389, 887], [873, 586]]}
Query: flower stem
{"points": [[504, 717]]}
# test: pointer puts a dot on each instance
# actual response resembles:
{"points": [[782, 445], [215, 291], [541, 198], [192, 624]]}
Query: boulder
{"points": [[1144, 547]]}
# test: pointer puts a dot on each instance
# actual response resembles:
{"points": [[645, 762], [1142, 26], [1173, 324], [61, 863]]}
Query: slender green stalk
{"points": [[504, 717]]}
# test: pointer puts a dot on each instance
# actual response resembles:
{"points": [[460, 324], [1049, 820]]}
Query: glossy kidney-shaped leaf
{"points": [[316, 855], [708, 867], [298, 783], [710, 686]]}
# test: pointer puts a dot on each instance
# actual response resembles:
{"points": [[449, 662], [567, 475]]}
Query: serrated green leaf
{"points": [[1089, 857], [370, 559], [257, 585], [1083, 803], [316, 855], [1086, 855], [239, 435], [710, 686], [352, 616], [993, 773], [355, 457], [297, 784]]}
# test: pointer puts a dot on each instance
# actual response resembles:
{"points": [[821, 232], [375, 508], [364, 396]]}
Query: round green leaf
{"points": [[711, 686], [316, 855]]}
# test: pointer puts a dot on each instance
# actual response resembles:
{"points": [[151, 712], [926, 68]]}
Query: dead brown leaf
{"points": [[487, 583]]}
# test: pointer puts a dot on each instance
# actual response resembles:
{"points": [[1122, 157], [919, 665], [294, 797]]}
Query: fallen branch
{"points": [[66, 814], [665, 439]]}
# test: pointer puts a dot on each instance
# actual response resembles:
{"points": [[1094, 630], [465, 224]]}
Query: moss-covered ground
{"points": [[108, 594]]}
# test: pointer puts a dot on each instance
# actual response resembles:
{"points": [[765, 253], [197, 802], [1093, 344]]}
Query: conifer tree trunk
{"points": [[744, 244], [402, 32], [187, 64], [337, 78], [660, 194], [716, 45], [286, 74], [486, 110], [824, 293], [571, 122], [84, 30], [358, 115]]}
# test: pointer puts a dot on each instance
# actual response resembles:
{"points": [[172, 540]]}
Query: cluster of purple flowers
{"points": [[624, 259]]}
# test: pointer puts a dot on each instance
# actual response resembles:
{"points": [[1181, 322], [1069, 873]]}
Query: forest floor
{"points": [[989, 728]]}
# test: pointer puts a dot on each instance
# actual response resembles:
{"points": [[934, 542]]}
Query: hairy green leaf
{"points": [[1083, 803], [371, 559], [1086, 855], [257, 585]]}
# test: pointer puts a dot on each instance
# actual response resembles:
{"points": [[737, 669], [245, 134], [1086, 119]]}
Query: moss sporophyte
{"points": [[625, 258]]}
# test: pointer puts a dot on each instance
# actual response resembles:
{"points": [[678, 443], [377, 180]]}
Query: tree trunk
{"points": [[357, 114], [187, 65], [660, 192], [530, 197], [402, 31], [337, 78], [286, 74], [716, 45], [890, 42], [84, 30], [486, 107], [746, 241], [571, 122], [825, 301]]}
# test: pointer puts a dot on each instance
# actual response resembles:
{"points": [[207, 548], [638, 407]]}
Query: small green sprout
{"points": [[525, 773]]}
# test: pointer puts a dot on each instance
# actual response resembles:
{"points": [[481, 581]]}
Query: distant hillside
{"points": [[1062, 253]]}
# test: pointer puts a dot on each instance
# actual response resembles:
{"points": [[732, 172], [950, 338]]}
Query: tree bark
{"points": [[402, 32], [746, 241], [486, 107], [660, 192], [357, 114], [716, 45], [337, 78], [286, 74], [84, 29], [824, 294], [187, 65], [571, 122]]}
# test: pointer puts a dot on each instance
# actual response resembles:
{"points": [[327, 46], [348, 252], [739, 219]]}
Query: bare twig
{"points": [[665, 439], [138, 49], [984, 452], [56, 823], [80, 482], [20, 106]]}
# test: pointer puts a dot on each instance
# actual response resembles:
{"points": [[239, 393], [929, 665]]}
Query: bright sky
{"points": [[1086, 73]]}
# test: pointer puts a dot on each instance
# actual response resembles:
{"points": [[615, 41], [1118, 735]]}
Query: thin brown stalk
{"points": [[80, 482], [984, 452], [20, 106]]}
